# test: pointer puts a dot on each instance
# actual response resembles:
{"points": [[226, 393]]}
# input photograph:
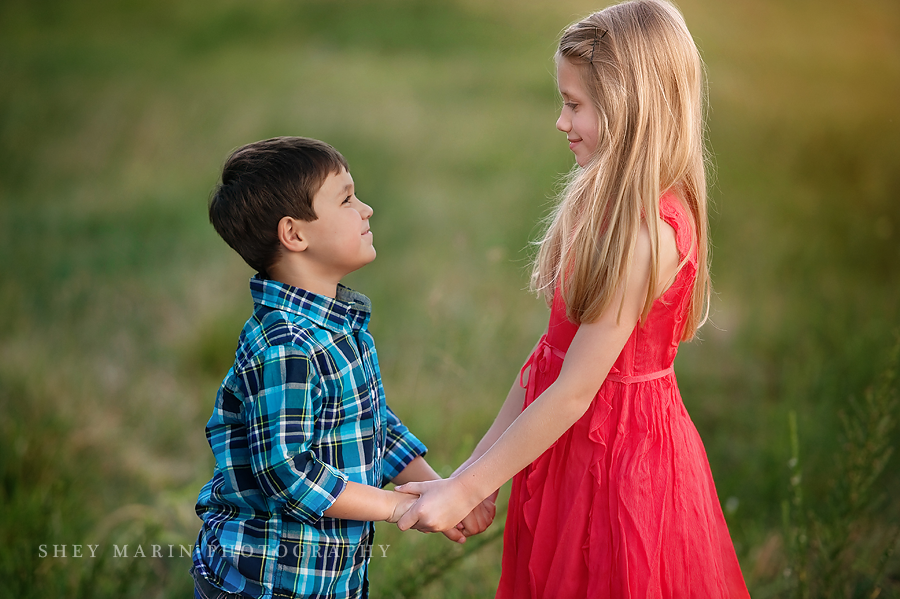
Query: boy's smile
{"points": [[340, 240]]}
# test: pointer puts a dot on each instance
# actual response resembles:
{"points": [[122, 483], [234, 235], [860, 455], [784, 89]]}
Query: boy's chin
{"points": [[365, 261]]}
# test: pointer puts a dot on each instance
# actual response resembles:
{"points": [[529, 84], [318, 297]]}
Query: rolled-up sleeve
{"points": [[280, 429], [401, 448]]}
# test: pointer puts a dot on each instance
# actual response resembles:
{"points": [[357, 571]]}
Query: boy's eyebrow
{"points": [[348, 189]]}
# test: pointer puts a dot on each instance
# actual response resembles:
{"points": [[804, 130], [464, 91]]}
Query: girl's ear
{"points": [[291, 235]]}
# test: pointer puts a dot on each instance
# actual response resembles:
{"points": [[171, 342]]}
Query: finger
{"points": [[424, 525], [484, 519], [408, 520], [475, 528], [455, 535], [411, 488]]}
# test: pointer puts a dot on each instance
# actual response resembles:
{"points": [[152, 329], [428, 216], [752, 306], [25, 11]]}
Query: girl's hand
{"points": [[442, 504]]}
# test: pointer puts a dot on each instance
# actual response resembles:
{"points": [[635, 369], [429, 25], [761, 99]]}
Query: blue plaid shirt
{"points": [[300, 413]]}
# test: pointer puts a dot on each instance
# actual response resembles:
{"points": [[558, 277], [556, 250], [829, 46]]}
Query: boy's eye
{"points": [[347, 199]]}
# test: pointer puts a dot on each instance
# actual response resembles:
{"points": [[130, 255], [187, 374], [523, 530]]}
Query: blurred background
{"points": [[120, 307]]}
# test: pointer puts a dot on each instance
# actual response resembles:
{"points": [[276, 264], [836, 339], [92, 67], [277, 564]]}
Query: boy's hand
{"points": [[480, 518], [402, 503]]}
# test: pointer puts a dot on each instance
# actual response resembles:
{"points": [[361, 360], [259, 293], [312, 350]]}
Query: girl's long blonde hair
{"points": [[643, 72]]}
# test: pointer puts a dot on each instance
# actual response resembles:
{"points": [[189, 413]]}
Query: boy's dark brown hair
{"points": [[262, 183]]}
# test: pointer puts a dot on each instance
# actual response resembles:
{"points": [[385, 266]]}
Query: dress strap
{"points": [[675, 215], [639, 378]]}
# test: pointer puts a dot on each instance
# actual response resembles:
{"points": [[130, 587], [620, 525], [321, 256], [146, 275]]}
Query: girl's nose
{"points": [[562, 123]]}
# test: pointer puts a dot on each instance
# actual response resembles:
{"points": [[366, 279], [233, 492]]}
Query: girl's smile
{"points": [[578, 118]]}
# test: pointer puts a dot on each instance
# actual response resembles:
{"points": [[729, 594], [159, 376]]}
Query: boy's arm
{"points": [[363, 502], [366, 503]]}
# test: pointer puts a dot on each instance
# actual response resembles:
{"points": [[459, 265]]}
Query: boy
{"points": [[302, 437]]}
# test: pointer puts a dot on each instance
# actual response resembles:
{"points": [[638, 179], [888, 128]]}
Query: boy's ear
{"points": [[291, 235]]}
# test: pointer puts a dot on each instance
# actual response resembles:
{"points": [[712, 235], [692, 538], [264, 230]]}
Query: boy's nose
{"points": [[366, 211]]}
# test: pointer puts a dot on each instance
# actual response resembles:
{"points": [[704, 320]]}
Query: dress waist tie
{"points": [[540, 359], [639, 378]]}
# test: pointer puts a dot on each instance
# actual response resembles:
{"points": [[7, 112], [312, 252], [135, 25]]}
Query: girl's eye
{"points": [[571, 105]]}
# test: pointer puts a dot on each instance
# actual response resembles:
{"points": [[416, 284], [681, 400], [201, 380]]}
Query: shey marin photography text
{"points": [[155, 550]]}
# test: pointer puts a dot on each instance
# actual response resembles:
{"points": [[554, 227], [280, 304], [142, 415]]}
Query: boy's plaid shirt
{"points": [[301, 412]]}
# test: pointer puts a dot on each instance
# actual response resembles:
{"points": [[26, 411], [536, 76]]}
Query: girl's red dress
{"points": [[623, 505]]}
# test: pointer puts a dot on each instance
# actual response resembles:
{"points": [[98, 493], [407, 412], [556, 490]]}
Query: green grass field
{"points": [[120, 308]]}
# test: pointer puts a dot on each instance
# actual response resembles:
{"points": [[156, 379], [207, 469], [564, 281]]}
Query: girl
{"points": [[612, 495]]}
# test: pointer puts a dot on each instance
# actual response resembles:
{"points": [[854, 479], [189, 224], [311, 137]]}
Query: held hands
{"points": [[445, 506], [404, 501]]}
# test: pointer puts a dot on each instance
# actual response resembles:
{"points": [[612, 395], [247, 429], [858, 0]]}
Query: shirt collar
{"points": [[349, 311]]}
